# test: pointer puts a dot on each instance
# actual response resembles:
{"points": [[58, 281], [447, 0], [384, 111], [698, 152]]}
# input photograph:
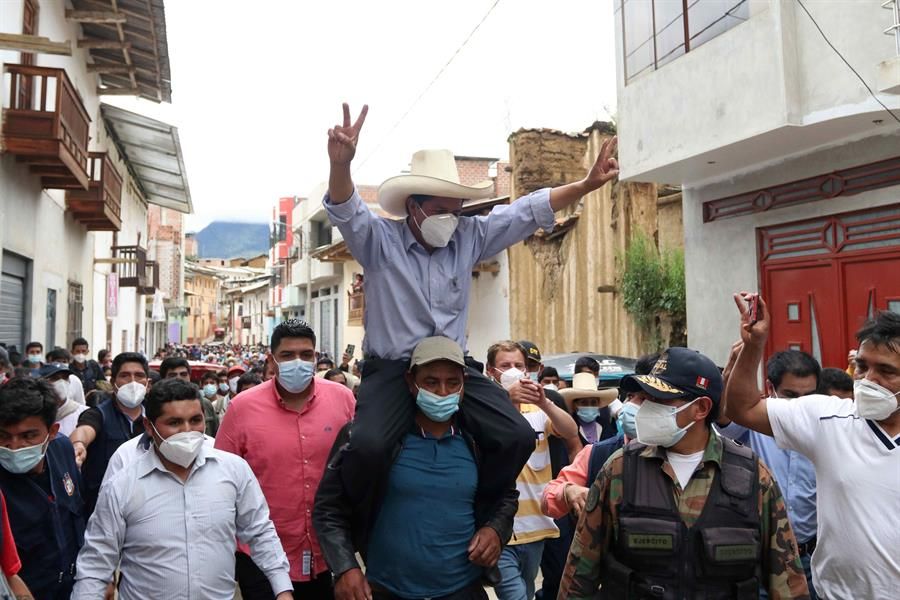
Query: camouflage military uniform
{"points": [[781, 569]]}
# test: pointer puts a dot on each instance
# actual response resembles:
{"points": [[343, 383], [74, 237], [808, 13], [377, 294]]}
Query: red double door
{"points": [[823, 278]]}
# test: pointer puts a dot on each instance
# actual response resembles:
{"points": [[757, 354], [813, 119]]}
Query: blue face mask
{"points": [[35, 358], [295, 375], [437, 408], [588, 414], [625, 419], [209, 390], [24, 459], [533, 376]]}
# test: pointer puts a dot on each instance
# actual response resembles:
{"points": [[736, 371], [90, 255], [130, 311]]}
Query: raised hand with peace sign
{"points": [[342, 139]]}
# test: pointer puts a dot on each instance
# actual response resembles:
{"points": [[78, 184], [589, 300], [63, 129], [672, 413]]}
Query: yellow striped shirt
{"points": [[531, 525]]}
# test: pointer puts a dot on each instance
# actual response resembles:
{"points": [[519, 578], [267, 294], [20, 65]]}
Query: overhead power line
{"points": [[427, 87], [846, 62]]}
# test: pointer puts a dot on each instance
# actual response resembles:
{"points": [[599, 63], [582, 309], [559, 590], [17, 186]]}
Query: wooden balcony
{"points": [[46, 125], [131, 266], [99, 207], [356, 307], [151, 278]]}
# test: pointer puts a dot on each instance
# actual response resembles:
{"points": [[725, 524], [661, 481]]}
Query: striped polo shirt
{"points": [[531, 525]]}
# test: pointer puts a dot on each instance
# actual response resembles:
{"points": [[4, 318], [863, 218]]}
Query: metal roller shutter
{"points": [[12, 300]]}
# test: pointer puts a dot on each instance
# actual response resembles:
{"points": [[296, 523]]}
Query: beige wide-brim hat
{"points": [[432, 173], [584, 385]]}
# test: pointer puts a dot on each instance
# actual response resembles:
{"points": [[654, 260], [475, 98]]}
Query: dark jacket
{"points": [[48, 530], [343, 529]]}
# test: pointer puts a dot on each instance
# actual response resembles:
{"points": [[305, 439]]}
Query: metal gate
{"points": [[13, 300]]}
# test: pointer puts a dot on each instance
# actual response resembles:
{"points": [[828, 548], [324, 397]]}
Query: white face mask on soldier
{"points": [[656, 424]]}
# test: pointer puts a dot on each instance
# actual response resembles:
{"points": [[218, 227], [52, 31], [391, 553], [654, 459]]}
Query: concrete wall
{"points": [[489, 308], [555, 301], [767, 88], [721, 256]]}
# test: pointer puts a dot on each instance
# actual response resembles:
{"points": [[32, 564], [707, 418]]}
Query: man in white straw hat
{"points": [[418, 274]]}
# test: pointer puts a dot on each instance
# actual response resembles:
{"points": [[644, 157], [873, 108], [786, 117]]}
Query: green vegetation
{"points": [[653, 291]]}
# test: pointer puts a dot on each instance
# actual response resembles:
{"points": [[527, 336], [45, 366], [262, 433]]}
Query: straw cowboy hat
{"points": [[432, 173], [584, 385]]}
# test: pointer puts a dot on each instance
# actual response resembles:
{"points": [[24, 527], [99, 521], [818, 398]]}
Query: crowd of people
{"points": [[281, 471]]}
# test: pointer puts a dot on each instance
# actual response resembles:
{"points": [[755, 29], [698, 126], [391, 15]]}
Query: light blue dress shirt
{"points": [[411, 294], [175, 539], [795, 474]]}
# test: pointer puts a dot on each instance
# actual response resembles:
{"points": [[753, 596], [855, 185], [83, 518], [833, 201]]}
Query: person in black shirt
{"points": [[87, 370]]}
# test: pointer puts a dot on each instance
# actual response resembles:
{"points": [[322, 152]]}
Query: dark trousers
{"points": [[474, 591], [385, 410], [255, 585], [553, 561]]}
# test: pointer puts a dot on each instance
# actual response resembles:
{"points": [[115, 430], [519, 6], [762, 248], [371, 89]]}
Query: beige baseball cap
{"points": [[436, 348]]}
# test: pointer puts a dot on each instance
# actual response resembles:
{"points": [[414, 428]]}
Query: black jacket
{"points": [[343, 529]]}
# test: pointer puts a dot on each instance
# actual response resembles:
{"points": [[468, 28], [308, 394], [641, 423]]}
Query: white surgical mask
{"points": [[295, 375], [656, 425], [437, 229], [510, 377], [80, 358], [61, 387], [874, 401], [181, 448], [131, 394], [232, 384], [551, 386]]}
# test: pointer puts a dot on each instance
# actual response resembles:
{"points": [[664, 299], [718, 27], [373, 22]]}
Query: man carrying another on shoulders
{"points": [[426, 533], [418, 275]]}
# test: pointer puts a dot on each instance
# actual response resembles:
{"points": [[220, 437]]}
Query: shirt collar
{"points": [[712, 453]]}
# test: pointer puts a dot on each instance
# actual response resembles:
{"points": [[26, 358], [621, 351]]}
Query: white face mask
{"points": [[551, 386], [656, 424], [80, 358], [61, 387], [181, 448], [232, 383], [131, 394], [874, 401], [510, 377], [437, 229]]}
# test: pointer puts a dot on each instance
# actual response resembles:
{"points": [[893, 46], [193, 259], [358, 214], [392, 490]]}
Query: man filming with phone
{"points": [[854, 446]]}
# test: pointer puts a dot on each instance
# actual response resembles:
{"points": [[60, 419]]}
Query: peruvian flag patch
{"points": [[702, 382]]}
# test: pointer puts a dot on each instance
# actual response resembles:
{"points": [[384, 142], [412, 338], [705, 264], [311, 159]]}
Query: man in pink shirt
{"points": [[284, 428]]}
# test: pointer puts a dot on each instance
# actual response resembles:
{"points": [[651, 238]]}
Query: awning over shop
{"points": [[152, 151]]}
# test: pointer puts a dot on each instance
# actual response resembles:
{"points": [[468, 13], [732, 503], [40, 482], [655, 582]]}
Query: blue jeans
{"points": [[518, 568]]}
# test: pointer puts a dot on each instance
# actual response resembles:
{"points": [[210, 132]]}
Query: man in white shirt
{"points": [[855, 448], [169, 520]]}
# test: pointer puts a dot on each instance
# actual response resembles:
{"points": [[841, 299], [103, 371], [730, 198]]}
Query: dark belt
{"points": [[807, 548]]}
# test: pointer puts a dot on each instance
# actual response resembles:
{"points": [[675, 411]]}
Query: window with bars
{"points": [[75, 312], [655, 32]]}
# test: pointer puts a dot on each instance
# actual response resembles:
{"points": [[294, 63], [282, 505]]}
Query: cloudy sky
{"points": [[256, 85]]}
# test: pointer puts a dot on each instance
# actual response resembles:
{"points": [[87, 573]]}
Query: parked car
{"points": [[198, 368], [612, 368]]}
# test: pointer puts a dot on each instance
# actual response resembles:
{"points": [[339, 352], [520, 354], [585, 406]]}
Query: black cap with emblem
{"points": [[679, 373], [531, 351]]}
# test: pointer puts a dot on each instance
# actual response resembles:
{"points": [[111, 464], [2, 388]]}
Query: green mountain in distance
{"points": [[222, 239]]}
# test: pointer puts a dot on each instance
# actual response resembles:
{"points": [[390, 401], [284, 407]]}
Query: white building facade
{"points": [[790, 167], [70, 191]]}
